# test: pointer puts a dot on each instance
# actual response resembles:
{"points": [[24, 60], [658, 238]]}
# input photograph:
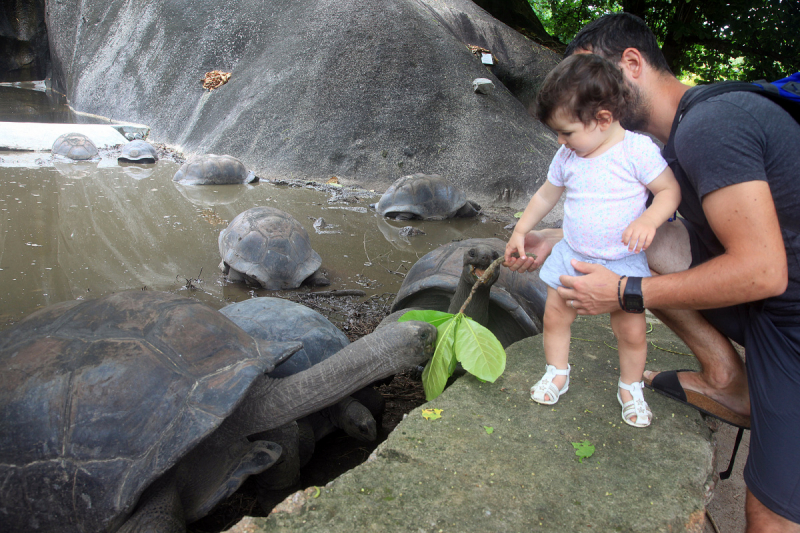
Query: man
{"points": [[730, 268]]}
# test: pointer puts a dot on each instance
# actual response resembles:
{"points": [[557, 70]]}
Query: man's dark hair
{"points": [[582, 85], [610, 35]]}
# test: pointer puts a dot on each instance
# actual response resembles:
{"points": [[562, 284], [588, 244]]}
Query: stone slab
{"points": [[451, 474], [40, 136]]}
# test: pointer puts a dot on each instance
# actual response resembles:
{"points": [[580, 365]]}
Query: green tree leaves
{"points": [[710, 39], [460, 340]]}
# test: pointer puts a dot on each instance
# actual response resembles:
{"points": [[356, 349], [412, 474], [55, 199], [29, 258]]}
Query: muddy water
{"points": [[73, 230]]}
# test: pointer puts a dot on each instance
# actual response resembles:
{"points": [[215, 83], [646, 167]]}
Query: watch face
{"points": [[633, 303]]}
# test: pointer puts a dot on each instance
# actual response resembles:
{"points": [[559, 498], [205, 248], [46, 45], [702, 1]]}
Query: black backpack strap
{"points": [[704, 92]]}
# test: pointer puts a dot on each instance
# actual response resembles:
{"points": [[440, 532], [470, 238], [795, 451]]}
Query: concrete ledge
{"points": [[40, 136], [450, 474]]}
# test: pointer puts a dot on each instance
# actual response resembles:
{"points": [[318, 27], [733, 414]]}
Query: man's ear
{"points": [[632, 63], [604, 119]]}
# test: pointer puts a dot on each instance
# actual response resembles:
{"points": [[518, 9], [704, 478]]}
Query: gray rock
{"points": [[482, 85], [400, 68]]}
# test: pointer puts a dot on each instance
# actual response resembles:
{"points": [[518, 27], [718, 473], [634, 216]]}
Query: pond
{"points": [[80, 230]]}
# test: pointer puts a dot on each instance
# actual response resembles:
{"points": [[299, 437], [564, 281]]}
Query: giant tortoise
{"points": [[268, 247], [132, 411], [211, 169], [425, 196], [441, 280], [75, 146]]}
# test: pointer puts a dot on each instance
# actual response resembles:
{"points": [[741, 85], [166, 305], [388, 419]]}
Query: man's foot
{"points": [[730, 404]]}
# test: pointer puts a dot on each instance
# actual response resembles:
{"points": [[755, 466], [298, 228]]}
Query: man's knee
{"points": [[670, 251]]}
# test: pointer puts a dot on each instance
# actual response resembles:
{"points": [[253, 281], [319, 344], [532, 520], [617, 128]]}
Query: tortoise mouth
{"points": [[477, 272]]}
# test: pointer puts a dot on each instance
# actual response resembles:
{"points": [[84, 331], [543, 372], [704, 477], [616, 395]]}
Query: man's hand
{"points": [[595, 292], [539, 243]]}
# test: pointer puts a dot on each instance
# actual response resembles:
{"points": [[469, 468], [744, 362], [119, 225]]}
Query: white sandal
{"points": [[637, 407], [546, 387]]}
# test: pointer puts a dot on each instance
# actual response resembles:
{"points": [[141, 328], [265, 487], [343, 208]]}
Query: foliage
{"points": [[711, 39], [461, 340], [583, 450], [489, 429]]}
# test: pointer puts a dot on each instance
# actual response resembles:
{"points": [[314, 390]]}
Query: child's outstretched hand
{"points": [[639, 234], [515, 248]]}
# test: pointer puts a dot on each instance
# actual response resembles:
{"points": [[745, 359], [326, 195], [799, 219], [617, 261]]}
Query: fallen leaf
{"points": [[431, 414]]}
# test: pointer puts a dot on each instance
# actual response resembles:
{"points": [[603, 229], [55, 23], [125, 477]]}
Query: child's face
{"points": [[583, 139]]}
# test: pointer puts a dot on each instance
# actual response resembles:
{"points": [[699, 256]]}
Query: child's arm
{"points": [[542, 203], [666, 197]]}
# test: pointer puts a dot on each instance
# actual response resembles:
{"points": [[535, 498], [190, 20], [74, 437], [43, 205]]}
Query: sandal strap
{"points": [[638, 406], [545, 386]]}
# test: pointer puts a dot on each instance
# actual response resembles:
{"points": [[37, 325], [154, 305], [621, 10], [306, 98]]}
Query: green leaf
{"points": [[489, 429], [441, 365], [518, 214], [427, 315], [478, 350], [583, 450]]}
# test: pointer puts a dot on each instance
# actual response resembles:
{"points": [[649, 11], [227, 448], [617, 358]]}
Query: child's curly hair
{"points": [[582, 85]]}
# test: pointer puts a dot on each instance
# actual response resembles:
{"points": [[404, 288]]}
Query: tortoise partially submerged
{"points": [[133, 409], [427, 197], [138, 151], [211, 169], [75, 146], [441, 280], [267, 247]]}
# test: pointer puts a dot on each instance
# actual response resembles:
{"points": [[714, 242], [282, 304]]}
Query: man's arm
{"points": [[753, 266]]}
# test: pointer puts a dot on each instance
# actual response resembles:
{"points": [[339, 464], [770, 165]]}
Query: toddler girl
{"points": [[606, 172]]}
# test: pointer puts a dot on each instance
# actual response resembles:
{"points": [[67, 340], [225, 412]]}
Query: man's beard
{"points": [[637, 110]]}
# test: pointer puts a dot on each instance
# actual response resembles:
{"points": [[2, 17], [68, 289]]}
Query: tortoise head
{"points": [[476, 260]]}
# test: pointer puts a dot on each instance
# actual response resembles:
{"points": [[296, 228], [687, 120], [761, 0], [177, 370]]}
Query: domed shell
{"points": [[517, 299], [210, 169], [270, 247], [101, 397], [75, 146], [428, 197], [277, 319], [138, 152]]}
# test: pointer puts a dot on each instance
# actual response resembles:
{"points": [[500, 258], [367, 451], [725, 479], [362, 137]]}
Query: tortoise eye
{"points": [[472, 253]]}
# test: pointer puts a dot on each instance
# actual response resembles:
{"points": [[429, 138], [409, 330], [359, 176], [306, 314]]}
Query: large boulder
{"points": [[366, 91]]}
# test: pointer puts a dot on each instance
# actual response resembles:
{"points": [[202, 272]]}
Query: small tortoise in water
{"points": [[138, 151], [210, 169], [133, 410], [429, 197], [268, 247], [75, 146], [511, 307]]}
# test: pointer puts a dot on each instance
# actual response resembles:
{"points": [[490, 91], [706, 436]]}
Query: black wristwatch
{"points": [[632, 297]]}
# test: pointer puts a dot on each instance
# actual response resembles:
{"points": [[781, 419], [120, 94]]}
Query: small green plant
{"points": [[460, 340], [583, 450]]}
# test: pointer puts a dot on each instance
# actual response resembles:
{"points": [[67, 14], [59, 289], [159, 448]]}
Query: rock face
{"points": [[366, 91], [23, 41]]}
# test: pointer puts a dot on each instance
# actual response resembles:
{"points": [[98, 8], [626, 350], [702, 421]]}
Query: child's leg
{"points": [[556, 325], [630, 330]]}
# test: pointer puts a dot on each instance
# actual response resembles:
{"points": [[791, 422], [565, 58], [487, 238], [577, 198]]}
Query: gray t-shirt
{"points": [[734, 138]]}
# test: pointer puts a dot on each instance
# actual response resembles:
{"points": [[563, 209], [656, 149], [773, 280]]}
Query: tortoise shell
{"points": [[75, 146], [270, 247], [99, 398], [210, 169], [517, 300]]}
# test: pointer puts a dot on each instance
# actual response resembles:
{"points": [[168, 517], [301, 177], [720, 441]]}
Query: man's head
{"points": [[610, 35], [614, 37]]}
